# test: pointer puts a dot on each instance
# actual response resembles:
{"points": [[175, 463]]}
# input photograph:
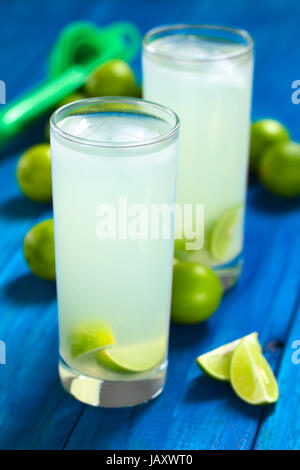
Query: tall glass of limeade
{"points": [[113, 161], [205, 73]]}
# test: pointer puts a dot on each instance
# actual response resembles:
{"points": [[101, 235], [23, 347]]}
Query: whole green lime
{"points": [[279, 169], [136, 91], [196, 292], [34, 173], [114, 78], [264, 134], [76, 96], [39, 250], [47, 131]]}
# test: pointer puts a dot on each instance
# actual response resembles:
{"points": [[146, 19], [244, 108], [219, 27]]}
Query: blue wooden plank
{"points": [[280, 429], [194, 411], [31, 400]]}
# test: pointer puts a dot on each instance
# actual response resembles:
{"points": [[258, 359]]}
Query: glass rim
{"points": [[110, 100], [242, 33]]}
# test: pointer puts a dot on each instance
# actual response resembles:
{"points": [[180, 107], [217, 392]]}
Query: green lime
{"points": [[39, 250], [216, 363], [34, 173], [136, 91], [251, 376], [196, 292], [135, 357], [179, 249], [114, 78], [76, 96], [264, 134], [47, 131], [224, 241], [279, 169], [90, 337]]}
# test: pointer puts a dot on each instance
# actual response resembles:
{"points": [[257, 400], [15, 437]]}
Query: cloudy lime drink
{"points": [[113, 160], [205, 74]]}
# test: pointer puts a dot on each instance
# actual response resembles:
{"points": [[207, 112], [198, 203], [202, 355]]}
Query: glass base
{"points": [[229, 273], [111, 393]]}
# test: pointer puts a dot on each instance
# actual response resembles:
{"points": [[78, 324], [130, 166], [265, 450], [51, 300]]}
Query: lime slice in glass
{"points": [[89, 337], [133, 358], [251, 376], [216, 363], [225, 237]]}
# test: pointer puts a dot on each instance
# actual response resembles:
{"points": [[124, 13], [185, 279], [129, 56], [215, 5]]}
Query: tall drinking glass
{"points": [[114, 162], [204, 73]]}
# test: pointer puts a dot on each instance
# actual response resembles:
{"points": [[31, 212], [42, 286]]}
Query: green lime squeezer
{"points": [[81, 47]]}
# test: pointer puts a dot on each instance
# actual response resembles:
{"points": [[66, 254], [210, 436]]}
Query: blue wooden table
{"points": [[194, 412]]}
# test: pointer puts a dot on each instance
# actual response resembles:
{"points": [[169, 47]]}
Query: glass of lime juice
{"points": [[204, 73], [113, 161]]}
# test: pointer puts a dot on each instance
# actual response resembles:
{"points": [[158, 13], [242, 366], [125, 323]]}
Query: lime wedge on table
{"points": [[224, 240], [251, 376], [216, 363], [134, 357], [89, 337]]}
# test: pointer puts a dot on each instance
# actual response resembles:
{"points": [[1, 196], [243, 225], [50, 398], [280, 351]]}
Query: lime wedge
{"points": [[133, 358], [89, 337], [216, 363], [225, 237], [251, 376]]}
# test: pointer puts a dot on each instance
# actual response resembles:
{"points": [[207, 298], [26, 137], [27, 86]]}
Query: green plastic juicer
{"points": [[81, 47]]}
